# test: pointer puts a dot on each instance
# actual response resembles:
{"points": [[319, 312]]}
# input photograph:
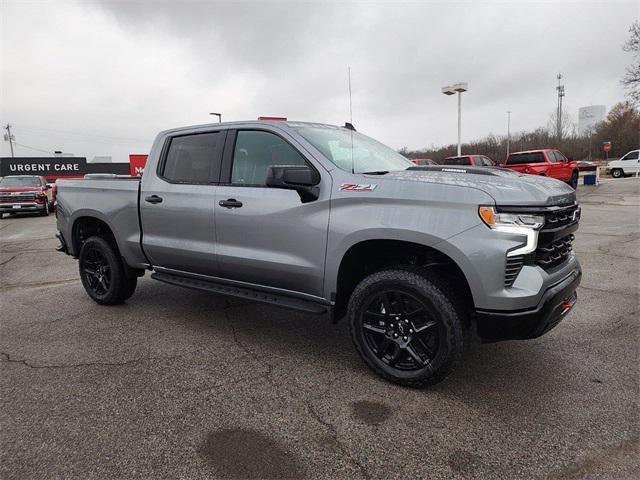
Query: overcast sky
{"points": [[102, 78]]}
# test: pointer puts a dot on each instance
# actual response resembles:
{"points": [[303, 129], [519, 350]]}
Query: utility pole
{"points": [[508, 130], [9, 137], [560, 89]]}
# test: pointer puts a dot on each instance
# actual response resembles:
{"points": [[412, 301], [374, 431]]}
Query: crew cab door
{"points": [[177, 203], [269, 236]]}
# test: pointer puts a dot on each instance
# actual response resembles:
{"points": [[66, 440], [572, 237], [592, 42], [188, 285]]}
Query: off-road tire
{"points": [[617, 173], [441, 303], [119, 285]]}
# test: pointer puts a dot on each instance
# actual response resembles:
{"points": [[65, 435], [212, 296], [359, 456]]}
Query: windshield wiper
{"points": [[377, 172]]}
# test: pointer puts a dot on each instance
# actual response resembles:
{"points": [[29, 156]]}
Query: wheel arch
{"points": [[371, 255]]}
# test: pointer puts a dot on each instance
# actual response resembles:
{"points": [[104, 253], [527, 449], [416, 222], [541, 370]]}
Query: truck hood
{"points": [[506, 187]]}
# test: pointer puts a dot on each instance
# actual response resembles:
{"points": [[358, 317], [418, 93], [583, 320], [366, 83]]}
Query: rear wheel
{"points": [[102, 273], [617, 173], [405, 327], [574, 180]]}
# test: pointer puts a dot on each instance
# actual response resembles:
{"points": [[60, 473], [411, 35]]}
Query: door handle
{"points": [[230, 203], [153, 199]]}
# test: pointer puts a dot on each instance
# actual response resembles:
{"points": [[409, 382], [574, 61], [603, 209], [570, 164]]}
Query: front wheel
{"points": [[45, 210], [574, 180], [405, 327], [617, 173]]}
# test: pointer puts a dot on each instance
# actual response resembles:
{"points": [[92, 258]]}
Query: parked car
{"points": [[586, 166], [475, 160], [548, 162], [629, 164], [423, 161], [323, 219], [24, 194]]}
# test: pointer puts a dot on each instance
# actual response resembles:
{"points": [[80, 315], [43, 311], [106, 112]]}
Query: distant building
{"points": [[101, 159], [589, 117]]}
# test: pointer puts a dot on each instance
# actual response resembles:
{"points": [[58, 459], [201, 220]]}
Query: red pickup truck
{"points": [[25, 194], [548, 162]]}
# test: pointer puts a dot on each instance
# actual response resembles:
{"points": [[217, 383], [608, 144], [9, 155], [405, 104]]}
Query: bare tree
{"points": [[631, 80], [567, 125]]}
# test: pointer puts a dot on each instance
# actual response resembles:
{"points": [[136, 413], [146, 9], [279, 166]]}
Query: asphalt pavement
{"points": [[182, 384]]}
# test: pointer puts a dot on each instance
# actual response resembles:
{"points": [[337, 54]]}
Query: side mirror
{"points": [[49, 186], [300, 178]]}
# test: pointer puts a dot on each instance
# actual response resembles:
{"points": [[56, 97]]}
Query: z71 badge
{"points": [[358, 187]]}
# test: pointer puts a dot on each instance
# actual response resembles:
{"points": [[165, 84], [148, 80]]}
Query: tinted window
{"points": [[522, 158], [193, 158], [487, 162], [255, 152], [457, 161], [631, 156]]}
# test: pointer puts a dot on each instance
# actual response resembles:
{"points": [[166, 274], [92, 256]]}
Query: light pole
{"points": [[451, 90], [508, 130], [219, 115]]}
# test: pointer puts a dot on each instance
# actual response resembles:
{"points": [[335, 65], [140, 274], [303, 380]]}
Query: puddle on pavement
{"points": [[371, 413], [248, 454]]}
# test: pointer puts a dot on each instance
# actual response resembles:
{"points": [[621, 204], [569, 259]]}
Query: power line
{"points": [[31, 148]]}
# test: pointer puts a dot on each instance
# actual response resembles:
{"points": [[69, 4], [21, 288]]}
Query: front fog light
{"points": [[515, 223]]}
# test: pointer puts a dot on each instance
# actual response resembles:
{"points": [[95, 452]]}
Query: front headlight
{"points": [[515, 223]]}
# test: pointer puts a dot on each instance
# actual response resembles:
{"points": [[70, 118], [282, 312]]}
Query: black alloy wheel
{"points": [[406, 324], [103, 273], [97, 271], [401, 329]]}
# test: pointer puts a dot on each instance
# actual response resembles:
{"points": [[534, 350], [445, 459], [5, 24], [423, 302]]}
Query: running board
{"points": [[241, 292]]}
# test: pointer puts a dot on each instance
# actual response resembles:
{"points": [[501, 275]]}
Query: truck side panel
{"points": [[113, 201]]}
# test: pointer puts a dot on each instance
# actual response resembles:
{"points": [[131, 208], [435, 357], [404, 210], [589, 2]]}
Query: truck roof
{"points": [[288, 123], [537, 150]]}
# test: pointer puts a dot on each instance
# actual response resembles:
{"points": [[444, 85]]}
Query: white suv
{"points": [[627, 165]]}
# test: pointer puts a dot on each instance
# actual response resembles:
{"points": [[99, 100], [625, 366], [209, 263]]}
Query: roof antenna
{"points": [[350, 124]]}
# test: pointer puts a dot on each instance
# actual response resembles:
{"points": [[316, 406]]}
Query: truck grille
{"points": [[20, 197], [561, 218], [554, 253], [514, 265], [556, 237]]}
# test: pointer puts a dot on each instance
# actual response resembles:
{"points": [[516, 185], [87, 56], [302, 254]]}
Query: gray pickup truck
{"points": [[323, 219]]}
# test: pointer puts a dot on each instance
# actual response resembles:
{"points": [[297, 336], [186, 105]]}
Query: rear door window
{"points": [[194, 158], [524, 158]]}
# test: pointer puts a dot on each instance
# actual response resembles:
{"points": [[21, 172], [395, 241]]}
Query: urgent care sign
{"points": [[55, 167]]}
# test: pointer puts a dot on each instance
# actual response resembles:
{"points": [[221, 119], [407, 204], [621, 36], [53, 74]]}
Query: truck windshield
{"points": [[352, 151], [20, 182]]}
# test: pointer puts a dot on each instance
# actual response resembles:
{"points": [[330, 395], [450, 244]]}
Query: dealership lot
{"points": [[177, 383]]}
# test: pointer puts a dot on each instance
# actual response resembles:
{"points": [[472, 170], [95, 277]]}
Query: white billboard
{"points": [[589, 116]]}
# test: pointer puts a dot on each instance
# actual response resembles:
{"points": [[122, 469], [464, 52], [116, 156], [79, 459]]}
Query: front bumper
{"points": [[555, 304], [21, 207]]}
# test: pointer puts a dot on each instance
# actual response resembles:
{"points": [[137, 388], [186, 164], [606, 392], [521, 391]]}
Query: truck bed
{"points": [[114, 200]]}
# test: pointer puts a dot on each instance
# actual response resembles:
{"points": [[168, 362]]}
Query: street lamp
{"points": [[508, 130], [219, 115], [451, 90]]}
